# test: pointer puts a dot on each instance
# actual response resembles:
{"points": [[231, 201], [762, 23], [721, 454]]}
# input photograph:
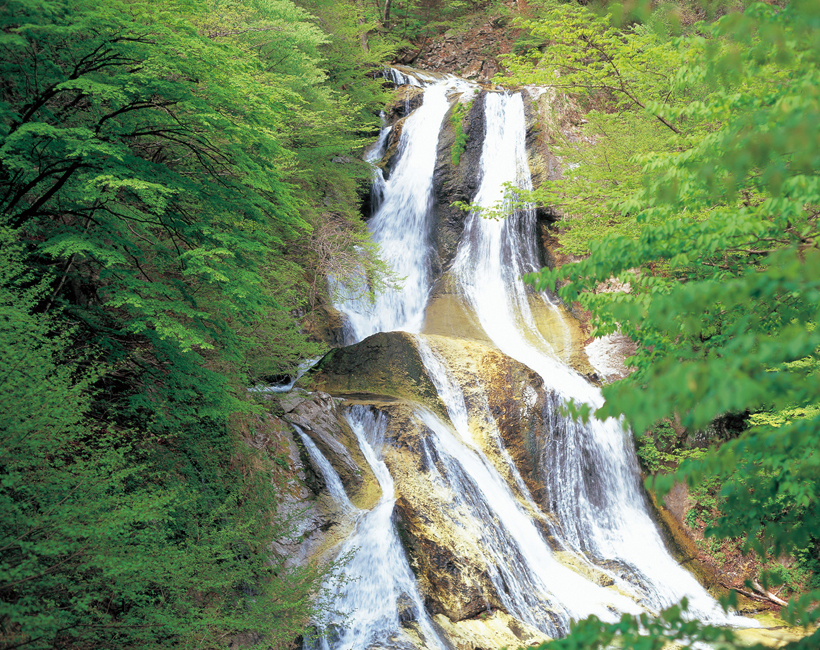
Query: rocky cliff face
{"points": [[386, 373], [456, 182], [446, 527], [509, 416]]}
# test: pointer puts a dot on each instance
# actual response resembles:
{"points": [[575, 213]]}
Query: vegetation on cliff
{"points": [[168, 171], [717, 239]]}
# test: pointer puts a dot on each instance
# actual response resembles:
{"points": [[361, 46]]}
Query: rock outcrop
{"points": [[507, 416], [453, 182], [318, 416], [385, 364]]}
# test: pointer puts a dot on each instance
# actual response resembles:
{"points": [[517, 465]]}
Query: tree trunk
{"points": [[363, 36], [386, 16]]}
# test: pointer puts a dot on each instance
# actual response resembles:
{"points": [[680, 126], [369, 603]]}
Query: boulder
{"points": [[405, 100], [384, 364], [446, 558]]}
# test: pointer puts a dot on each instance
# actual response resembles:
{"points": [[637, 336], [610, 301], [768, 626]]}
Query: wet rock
{"points": [[447, 314], [590, 572], [451, 570], [328, 324], [391, 154], [456, 182], [450, 566], [290, 400], [386, 363], [504, 397], [407, 608], [318, 416], [305, 517], [489, 630], [406, 100]]}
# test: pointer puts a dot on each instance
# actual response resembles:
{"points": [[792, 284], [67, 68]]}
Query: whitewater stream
{"points": [[595, 549]]}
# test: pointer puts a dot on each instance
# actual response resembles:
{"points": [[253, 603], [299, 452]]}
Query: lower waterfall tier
{"points": [[461, 438]]}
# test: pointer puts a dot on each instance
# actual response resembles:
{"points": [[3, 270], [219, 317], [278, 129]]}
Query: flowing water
{"points": [[332, 480], [401, 224], [597, 511], [593, 477], [377, 592]]}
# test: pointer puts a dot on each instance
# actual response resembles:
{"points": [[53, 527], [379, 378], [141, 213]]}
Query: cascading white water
{"points": [[332, 480], [533, 586], [379, 590], [290, 382], [373, 154], [593, 477], [401, 226], [583, 597]]}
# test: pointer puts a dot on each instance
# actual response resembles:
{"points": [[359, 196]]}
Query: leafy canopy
{"points": [[724, 270], [159, 161]]}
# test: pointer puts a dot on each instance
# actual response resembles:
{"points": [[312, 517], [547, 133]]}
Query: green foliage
{"points": [[110, 539], [525, 43], [589, 57], [617, 75], [457, 116], [160, 162], [724, 269], [601, 175]]}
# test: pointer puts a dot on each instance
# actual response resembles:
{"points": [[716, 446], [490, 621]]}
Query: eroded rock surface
{"points": [[492, 630], [453, 182], [386, 363], [507, 416]]}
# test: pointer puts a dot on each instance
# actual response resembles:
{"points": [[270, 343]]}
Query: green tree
{"points": [[155, 167], [114, 539], [724, 306]]}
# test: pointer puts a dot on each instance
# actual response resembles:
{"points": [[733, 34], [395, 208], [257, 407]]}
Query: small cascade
{"points": [[289, 382], [401, 226], [378, 592], [399, 78], [332, 480], [376, 152]]}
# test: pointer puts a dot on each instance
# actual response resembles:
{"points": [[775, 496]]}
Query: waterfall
{"points": [[593, 477], [375, 153], [533, 585], [401, 225], [378, 590], [594, 512]]}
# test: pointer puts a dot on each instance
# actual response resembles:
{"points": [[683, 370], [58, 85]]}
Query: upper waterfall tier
{"points": [[401, 224]]}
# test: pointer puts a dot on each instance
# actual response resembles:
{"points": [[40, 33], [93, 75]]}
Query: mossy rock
{"points": [[385, 364]]}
